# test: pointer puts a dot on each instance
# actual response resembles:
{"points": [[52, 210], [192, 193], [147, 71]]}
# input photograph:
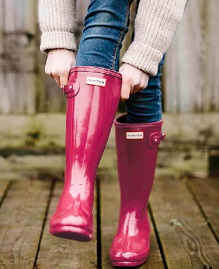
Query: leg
{"points": [[104, 29], [93, 94], [145, 106]]}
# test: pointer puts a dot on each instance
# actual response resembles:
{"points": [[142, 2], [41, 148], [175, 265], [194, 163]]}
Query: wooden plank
{"points": [[4, 91], [81, 11], [21, 220], [4, 184], [181, 81], [184, 233], [21, 19], [18, 57], [21, 94], [211, 28], [154, 259], [190, 82], [207, 194], [61, 253], [128, 37], [110, 200], [1, 26]]}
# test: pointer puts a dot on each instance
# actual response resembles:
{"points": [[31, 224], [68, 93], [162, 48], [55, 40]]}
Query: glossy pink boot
{"points": [[137, 146], [92, 99]]}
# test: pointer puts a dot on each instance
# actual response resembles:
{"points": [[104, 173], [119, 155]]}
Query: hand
{"points": [[58, 64], [133, 80]]}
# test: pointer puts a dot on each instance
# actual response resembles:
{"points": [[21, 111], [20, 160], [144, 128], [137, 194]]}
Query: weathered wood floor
{"points": [[184, 219]]}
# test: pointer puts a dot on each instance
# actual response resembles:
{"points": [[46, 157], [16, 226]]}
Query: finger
{"points": [[138, 88], [63, 80], [125, 90], [48, 72], [134, 90]]}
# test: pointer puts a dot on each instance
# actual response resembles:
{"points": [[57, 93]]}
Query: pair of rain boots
{"points": [[92, 99]]}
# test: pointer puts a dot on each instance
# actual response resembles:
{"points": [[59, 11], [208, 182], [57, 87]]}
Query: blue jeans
{"points": [[105, 26]]}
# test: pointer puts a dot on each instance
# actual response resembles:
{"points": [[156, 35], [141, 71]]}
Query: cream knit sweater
{"points": [[155, 24]]}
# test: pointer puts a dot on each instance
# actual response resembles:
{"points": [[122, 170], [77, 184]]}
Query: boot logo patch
{"points": [[96, 81], [134, 135]]}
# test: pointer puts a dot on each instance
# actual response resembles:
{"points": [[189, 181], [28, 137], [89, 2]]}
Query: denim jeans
{"points": [[105, 26]]}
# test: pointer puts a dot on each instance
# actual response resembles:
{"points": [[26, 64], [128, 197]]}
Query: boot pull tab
{"points": [[155, 138], [71, 89]]}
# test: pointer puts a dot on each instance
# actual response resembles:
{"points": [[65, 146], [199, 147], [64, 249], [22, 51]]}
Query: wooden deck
{"points": [[184, 219]]}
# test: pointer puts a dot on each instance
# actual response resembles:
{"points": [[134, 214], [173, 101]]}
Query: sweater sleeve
{"points": [[57, 21], [155, 25]]}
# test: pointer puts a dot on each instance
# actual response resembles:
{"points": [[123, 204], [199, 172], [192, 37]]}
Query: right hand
{"points": [[58, 64], [133, 80]]}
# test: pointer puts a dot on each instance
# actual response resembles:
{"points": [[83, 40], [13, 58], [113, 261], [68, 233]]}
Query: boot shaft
{"points": [[137, 146], [92, 100]]}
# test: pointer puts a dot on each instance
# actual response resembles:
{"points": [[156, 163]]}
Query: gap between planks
{"points": [[61, 253], [21, 219], [205, 192], [4, 189], [186, 239], [110, 204]]}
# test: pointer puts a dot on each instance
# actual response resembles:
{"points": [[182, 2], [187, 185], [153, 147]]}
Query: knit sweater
{"points": [[155, 25]]}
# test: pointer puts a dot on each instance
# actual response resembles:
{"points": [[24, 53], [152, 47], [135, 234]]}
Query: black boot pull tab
{"points": [[71, 89]]}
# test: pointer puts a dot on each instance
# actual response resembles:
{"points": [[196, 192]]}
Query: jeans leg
{"points": [[104, 29], [145, 106]]}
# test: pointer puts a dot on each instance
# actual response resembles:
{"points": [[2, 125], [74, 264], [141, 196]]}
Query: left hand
{"points": [[58, 64], [133, 80]]}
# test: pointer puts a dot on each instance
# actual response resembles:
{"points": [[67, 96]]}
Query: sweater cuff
{"points": [[57, 40], [143, 57]]}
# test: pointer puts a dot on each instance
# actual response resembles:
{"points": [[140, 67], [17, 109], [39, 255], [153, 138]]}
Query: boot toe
{"points": [[128, 258], [72, 227], [129, 251], [72, 233]]}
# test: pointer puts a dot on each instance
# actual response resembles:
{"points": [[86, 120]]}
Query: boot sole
{"points": [[72, 233], [127, 263]]}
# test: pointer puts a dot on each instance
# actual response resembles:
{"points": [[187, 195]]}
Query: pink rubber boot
{"points": [[137, 146], [92, 99]]}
